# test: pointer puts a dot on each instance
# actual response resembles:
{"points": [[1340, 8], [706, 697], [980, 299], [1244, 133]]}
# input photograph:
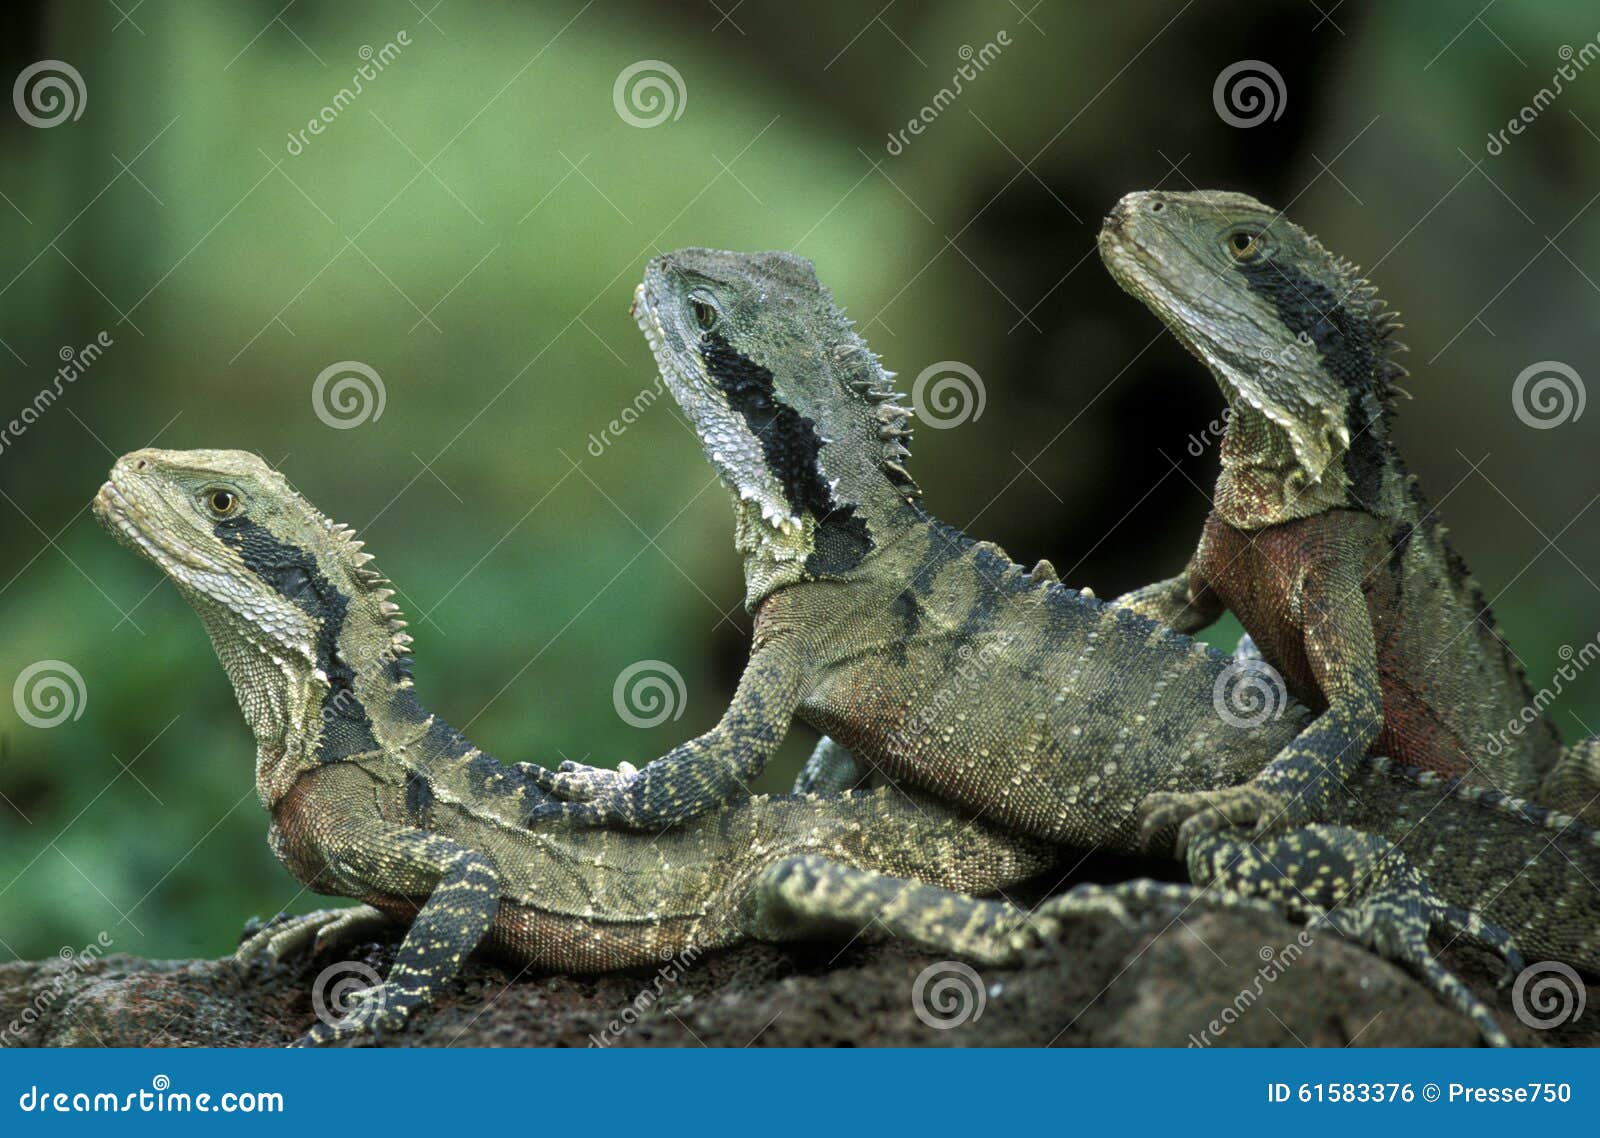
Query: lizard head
{"points": [[286, 595], [1289, 330], [793, 410]]}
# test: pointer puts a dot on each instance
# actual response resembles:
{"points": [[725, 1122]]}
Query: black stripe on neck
{"points": [[791, 446], [293, 574]]}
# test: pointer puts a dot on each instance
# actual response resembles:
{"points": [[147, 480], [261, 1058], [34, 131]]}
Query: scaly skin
{"points": [[1319, 540], [952, 670], [374, 798]]}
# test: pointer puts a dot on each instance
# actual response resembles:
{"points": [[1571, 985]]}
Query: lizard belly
{"points": [[1254, 573], [1426, 721]]}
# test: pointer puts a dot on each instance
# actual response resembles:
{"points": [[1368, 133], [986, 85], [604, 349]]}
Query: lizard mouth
{"points": [[666, 344], [119, 516], [115, 514], [648, 318]]}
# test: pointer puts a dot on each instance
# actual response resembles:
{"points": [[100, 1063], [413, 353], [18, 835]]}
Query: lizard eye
{"points": [[1244, 245], [222, 503], [705, 314]]}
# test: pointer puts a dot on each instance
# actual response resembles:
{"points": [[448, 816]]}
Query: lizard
{"points": [[373, 797], [1318, 539], [956, 672]]}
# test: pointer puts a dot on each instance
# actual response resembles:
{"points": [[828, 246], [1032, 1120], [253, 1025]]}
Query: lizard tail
{"points": [[1513, 863], [1573, 786]]}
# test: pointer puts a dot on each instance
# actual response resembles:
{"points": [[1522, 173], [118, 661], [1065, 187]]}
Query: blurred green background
{"points": [[471, 226]]}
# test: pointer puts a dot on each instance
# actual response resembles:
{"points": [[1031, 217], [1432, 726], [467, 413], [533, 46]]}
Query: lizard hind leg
{"points": [[810, 897], [319, 931], [1362, 887]]}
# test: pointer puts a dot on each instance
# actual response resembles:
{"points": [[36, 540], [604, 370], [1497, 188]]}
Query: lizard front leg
{"points": [[1184, 602], [832, 768], [462, 888], [696, 776], [1300, 784]]}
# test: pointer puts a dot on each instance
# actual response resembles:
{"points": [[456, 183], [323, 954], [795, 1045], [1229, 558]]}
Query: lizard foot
{"points": [[593, 795], [322, 930], [1259, 809], [367, 1013], [1362, 887]]}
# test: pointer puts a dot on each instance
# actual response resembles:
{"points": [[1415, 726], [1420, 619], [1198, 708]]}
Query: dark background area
{"points": [[471, 226]]}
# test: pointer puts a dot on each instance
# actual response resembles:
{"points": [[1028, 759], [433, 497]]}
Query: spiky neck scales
{"points": [[836, 510], [1265, 475], [1295, 337], [319, 705], [304, 626], [793, 410]]}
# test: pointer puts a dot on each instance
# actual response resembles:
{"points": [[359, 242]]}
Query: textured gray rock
{"points": [[1225, 979]]}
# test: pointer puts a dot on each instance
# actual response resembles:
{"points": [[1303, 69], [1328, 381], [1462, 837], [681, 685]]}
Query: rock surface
{"points": [[1164, 982]]}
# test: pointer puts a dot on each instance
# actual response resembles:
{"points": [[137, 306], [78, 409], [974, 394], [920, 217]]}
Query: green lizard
{"points": [[374, 798], [1318, 539], [953, 670]]}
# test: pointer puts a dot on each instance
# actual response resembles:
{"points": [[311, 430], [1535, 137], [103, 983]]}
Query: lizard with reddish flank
{"points": [[1318, 539], [869, 613]]}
